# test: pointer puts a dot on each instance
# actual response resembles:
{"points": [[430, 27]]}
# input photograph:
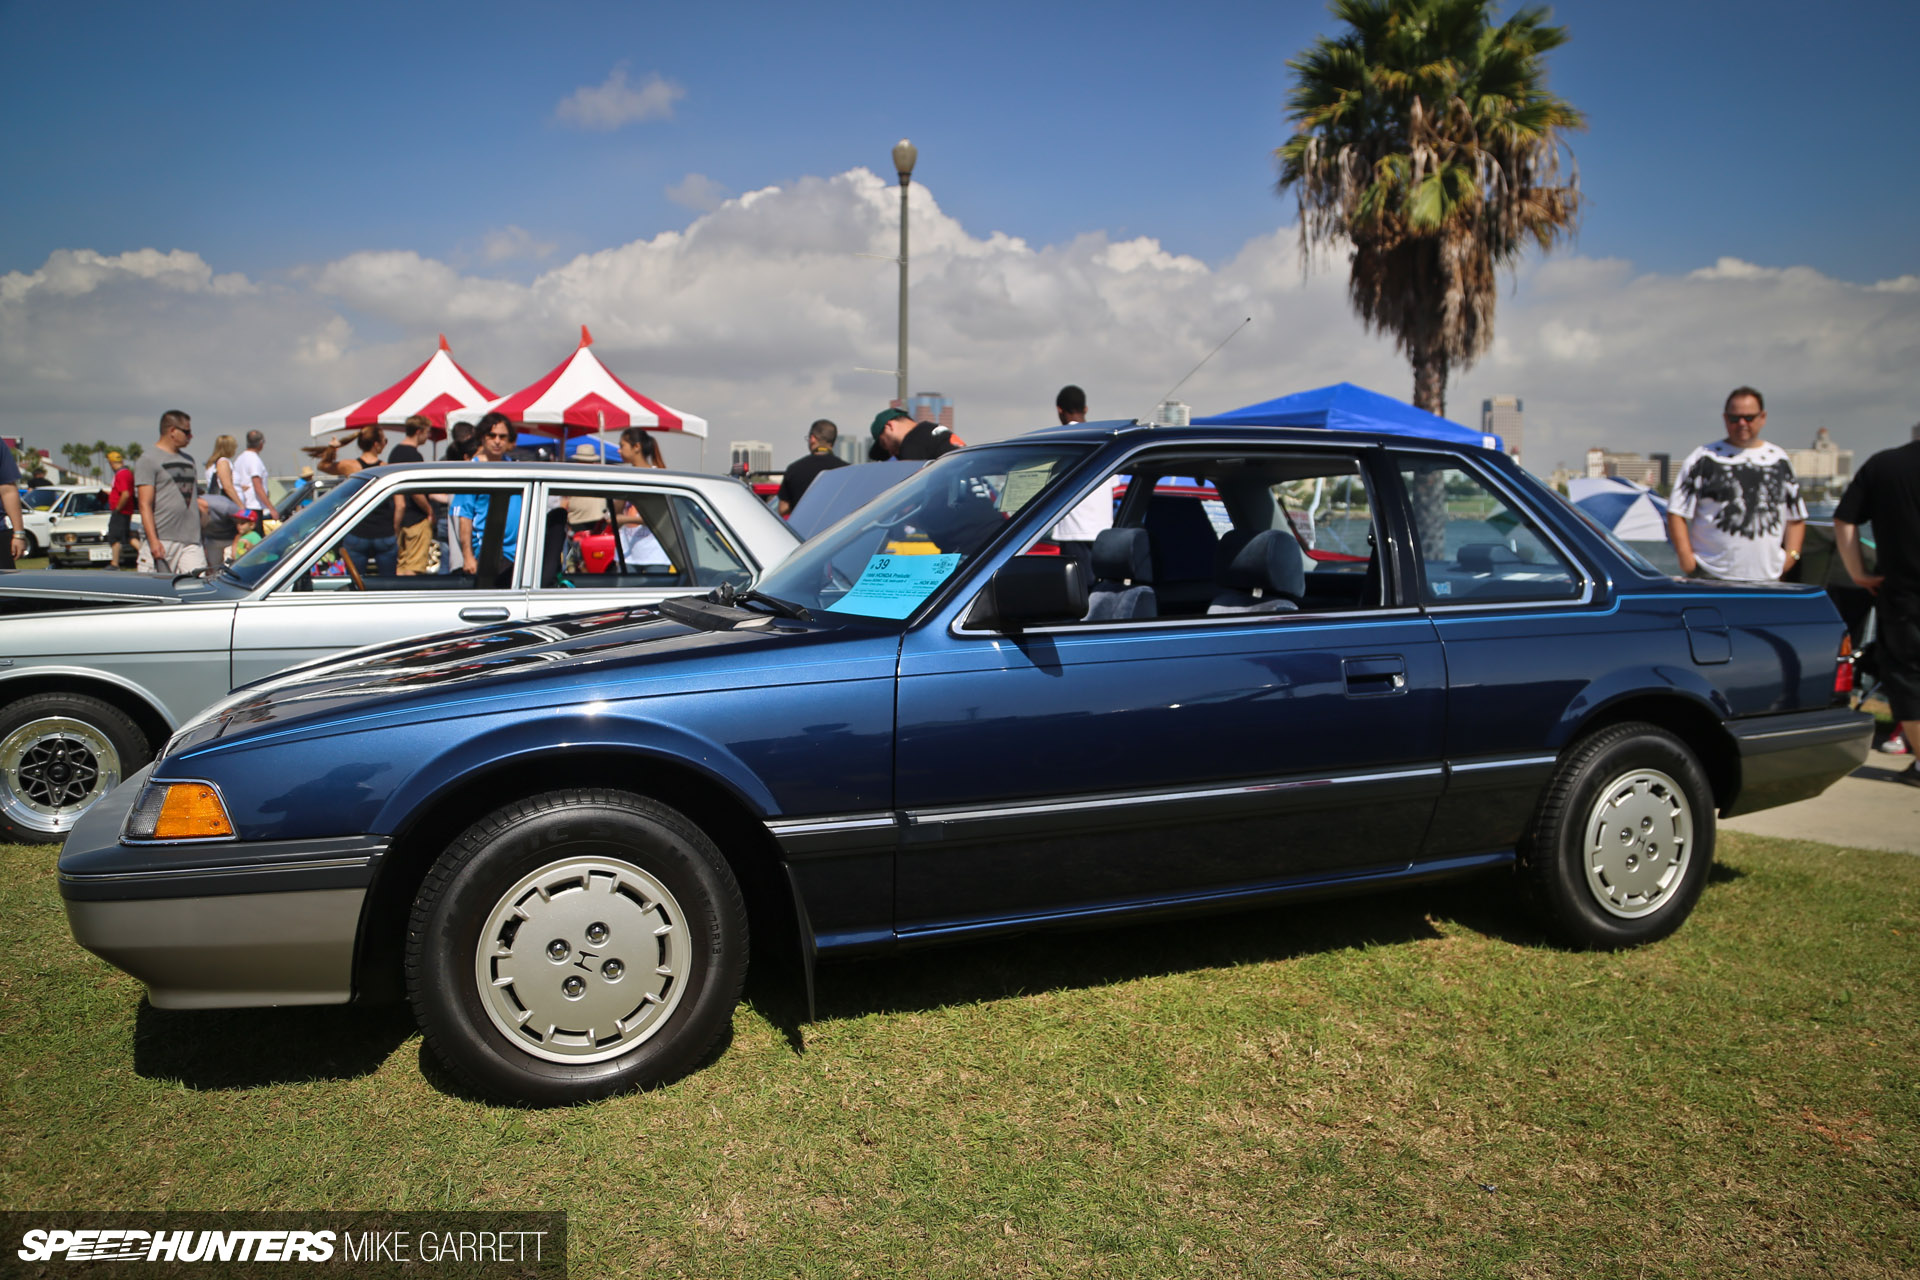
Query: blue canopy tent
{"points": [[1345, 407]]}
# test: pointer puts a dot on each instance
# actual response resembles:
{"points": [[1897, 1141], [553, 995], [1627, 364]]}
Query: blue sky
{"points": [[291, 145], [268, 135]]}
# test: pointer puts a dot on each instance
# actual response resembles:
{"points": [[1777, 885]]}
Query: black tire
{"points": [[33, 546], [1643, 790], [59, 754], [664, 909]]}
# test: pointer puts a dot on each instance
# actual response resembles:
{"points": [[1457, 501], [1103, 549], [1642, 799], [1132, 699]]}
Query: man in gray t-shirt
{"points": [[167, 483]]}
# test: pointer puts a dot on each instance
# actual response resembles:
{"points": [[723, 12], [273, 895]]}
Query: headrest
{"points": [[1231, 543], [1122, 554], [1270, 562], [1486, 557]]}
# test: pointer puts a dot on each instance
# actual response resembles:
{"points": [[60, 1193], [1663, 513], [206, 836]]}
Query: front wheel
{"points": [[1621, 847], [59, 754], [576, 945]]}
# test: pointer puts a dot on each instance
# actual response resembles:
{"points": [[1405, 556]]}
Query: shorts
{"points": [[181, 557], [1898, 650], [416, 547], [120, 526]]}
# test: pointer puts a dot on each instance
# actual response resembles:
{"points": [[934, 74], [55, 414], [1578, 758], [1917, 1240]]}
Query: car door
{"points": [[1524, 634], [318, 605], [1180, 757]]}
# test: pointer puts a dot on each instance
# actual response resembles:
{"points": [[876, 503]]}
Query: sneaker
{"points": [[1895, 746], [1909, 775]]}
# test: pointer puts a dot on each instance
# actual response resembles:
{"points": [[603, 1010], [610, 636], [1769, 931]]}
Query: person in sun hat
{"points": [[584, 511]]}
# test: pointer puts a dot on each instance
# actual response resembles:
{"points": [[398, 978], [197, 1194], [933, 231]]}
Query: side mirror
{"points": [[1031, 591]]}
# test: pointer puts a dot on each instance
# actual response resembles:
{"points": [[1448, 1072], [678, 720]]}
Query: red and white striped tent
{"points": [[582, 395], [434, 390]]}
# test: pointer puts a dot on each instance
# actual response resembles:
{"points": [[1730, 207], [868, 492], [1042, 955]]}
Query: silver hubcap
{"points": [[1639, 837], [583, 960], [52, 770]]}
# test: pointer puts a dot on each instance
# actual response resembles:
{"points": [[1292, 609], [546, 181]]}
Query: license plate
{"points": [[99, 553]]}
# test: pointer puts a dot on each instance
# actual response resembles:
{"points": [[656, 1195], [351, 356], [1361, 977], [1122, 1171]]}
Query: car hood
{"points": [[608, 654], [44, 590]]}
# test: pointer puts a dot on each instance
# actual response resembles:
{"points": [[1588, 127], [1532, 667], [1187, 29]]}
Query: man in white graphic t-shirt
{"points": [[1736, 511]]}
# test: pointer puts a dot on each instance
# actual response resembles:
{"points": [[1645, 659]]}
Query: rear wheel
{"points": [[59, 754], [576, 945], [1623, 841]]}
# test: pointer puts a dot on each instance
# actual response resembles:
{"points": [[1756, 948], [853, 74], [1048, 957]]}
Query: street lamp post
{"points": [[904, 154]]}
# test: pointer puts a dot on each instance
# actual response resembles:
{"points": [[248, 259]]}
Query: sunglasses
{"points": [[1743, 417], [499, 435]]}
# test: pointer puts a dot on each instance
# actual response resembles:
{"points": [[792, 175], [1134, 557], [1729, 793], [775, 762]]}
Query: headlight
{"points": [[178, 811], [67, 538]]}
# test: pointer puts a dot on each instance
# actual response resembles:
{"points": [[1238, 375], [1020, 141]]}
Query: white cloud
{"points": [[757, 313], [698, 192], [514, 244], [614, 102]]}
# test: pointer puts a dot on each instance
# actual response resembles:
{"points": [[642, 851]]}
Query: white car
{"points": [[98, 670], [41, 506]]}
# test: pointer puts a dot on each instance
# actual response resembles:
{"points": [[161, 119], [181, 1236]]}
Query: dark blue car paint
{"points": [[1006, 780]]}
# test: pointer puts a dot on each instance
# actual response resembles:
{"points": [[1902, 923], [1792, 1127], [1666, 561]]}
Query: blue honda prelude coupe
{"points": [[1299, 662]]}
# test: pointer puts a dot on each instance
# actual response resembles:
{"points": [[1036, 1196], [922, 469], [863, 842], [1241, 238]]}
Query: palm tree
{"points": [[1425, 138], [79, 458]]}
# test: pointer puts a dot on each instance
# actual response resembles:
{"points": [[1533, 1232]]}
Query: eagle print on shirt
{"points": [[1752, 501]]}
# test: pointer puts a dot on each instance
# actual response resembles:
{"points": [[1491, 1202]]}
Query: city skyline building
{"points": [[750, 456], [1654, 470], [1824, 464], [1504, 416], [929, 406]]}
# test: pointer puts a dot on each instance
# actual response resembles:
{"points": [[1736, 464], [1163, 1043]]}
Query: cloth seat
{"points": [[1123, 577], [1265, 576]]}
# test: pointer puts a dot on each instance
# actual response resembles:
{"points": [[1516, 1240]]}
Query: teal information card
{"points": [[892, 586]]}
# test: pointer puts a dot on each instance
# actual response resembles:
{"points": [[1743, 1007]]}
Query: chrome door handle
{"points": [[1373, 676], [483, 613]]}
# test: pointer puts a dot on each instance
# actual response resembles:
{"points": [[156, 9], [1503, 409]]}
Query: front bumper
{"points": [[1797, 756], [219, 925]]}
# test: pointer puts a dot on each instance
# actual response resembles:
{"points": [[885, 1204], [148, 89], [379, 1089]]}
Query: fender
{"points": [[1637, 682], [92, 675], [572, 730]]}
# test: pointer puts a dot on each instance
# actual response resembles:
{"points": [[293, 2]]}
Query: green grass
{"points": [[1407, 1085]]}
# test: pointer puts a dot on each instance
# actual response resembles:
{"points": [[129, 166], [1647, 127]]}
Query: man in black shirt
{"points": [[1886, 492], [415, 535], [801, 474], [897, 435]]}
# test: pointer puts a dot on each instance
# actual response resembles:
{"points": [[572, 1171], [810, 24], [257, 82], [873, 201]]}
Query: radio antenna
{"points": [[1203, 360]]}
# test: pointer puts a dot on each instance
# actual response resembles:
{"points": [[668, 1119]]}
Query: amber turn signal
{"points": [[178, 811]]}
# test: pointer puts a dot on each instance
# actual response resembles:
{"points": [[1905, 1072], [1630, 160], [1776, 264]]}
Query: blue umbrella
{"points": [[1345, 407]]}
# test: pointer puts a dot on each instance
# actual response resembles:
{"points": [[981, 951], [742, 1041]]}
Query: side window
{"points": [[1260, 534], [1476, 546], [606, 539], [414, 538]]}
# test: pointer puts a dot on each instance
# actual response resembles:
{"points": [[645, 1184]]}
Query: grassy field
{"points": [[1403, 1086]]}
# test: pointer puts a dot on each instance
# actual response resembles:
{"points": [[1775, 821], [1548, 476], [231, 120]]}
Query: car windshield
{"points": [[250, 568], [890, 555]]}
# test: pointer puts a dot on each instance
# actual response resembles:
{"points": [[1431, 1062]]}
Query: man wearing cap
{"points": [[120, 506], [897, 435]]}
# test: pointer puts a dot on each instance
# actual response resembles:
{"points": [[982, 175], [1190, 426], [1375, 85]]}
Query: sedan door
{"points": [[610, 541], [1181, 757], [326, 601]]}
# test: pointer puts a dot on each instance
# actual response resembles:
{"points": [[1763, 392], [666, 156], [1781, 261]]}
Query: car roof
{"points": [[1133, 431], [569, 471]]}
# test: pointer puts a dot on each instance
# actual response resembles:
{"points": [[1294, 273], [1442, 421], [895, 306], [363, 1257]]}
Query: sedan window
{"points": [[1476, 546], [609, 538]]}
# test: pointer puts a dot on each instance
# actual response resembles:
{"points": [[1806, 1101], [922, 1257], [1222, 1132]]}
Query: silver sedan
{"points": [[98, 670]]}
